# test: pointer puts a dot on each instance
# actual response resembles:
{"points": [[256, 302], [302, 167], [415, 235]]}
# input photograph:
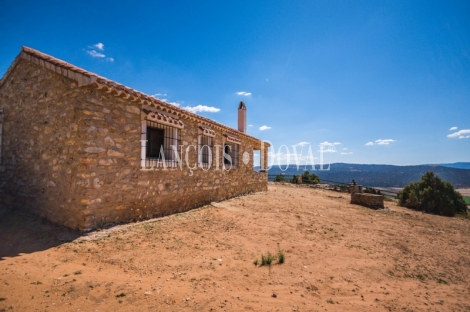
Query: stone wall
{"points": [[72, 154], [365, 199], [368, 200]]}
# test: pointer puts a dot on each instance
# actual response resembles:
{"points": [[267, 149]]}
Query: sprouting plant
{"points": [[281, 258], [267, 259]]}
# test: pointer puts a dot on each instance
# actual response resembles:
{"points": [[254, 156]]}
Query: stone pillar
{"points": [[263, 157], [351, 188], [355, 189], [299, 179]]}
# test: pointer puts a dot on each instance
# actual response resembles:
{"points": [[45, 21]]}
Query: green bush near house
{"points": [[279, 178], [310, 178], [432, 195], [307, 178]]}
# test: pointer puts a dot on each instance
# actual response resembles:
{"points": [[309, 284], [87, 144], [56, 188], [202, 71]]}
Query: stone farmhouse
{"points": [[84, 151]]}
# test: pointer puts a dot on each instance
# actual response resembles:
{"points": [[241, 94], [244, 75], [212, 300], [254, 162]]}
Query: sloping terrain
{"points": [[338, 257]]}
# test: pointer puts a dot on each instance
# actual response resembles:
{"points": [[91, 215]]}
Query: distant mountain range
{"points": [[383, 175], [458, 165]]}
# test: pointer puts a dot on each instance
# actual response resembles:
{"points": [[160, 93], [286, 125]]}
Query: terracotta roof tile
{"points": [[207, 131], [164, 119]]}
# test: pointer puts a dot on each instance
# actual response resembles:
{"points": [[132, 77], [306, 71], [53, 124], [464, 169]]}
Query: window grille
{"points": [[232, 150], [163, 146], [205, 151]]}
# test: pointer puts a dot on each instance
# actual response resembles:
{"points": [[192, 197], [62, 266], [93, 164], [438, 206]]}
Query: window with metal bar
{"points": [[231, 150], [163, 146], [205, 151]]}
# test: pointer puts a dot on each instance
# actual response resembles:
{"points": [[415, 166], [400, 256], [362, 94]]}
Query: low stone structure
{"points": [[365, 199], [84, 151]]}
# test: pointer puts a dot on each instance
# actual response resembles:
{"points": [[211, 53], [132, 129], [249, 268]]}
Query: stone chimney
{"points": [[242, 117]]}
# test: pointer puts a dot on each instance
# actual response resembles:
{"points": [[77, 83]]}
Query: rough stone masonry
{"points": [[365, 199], [71, 149]]}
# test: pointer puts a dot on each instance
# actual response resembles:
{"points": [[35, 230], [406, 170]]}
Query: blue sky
{"points": [[384, 80]]}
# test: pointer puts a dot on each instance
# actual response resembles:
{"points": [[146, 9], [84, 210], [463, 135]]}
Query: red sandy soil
{"points": [[338, 257]]}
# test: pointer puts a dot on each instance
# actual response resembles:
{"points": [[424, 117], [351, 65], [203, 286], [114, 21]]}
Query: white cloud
{"points": [[202, 108], [384, 142], [327, 147], [453, 128], [93, 53], [345, 153], [381, 142], [303, 143], [461, 134], [173, 103], [326, 143], [264, 127], [250, 125], [159, 94], [97, 50], [243, 93], [99, 46], [345, 148]]}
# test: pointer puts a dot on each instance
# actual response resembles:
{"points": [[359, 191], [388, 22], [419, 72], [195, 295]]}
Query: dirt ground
{"points": [[338, 257], [464, 191]]}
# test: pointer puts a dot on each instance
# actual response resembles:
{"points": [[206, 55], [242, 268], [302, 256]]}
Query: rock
{"points": [[94, 149], [113, 153], [51, 184]]}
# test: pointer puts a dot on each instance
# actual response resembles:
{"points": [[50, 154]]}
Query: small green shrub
{"points": [[432, 195], [281, 258], [294, 179], [310, 178], [279, 178], [267, 259], [120, 295]]}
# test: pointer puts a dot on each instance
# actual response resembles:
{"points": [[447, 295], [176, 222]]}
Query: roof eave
{"points": [[86, 78]]}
